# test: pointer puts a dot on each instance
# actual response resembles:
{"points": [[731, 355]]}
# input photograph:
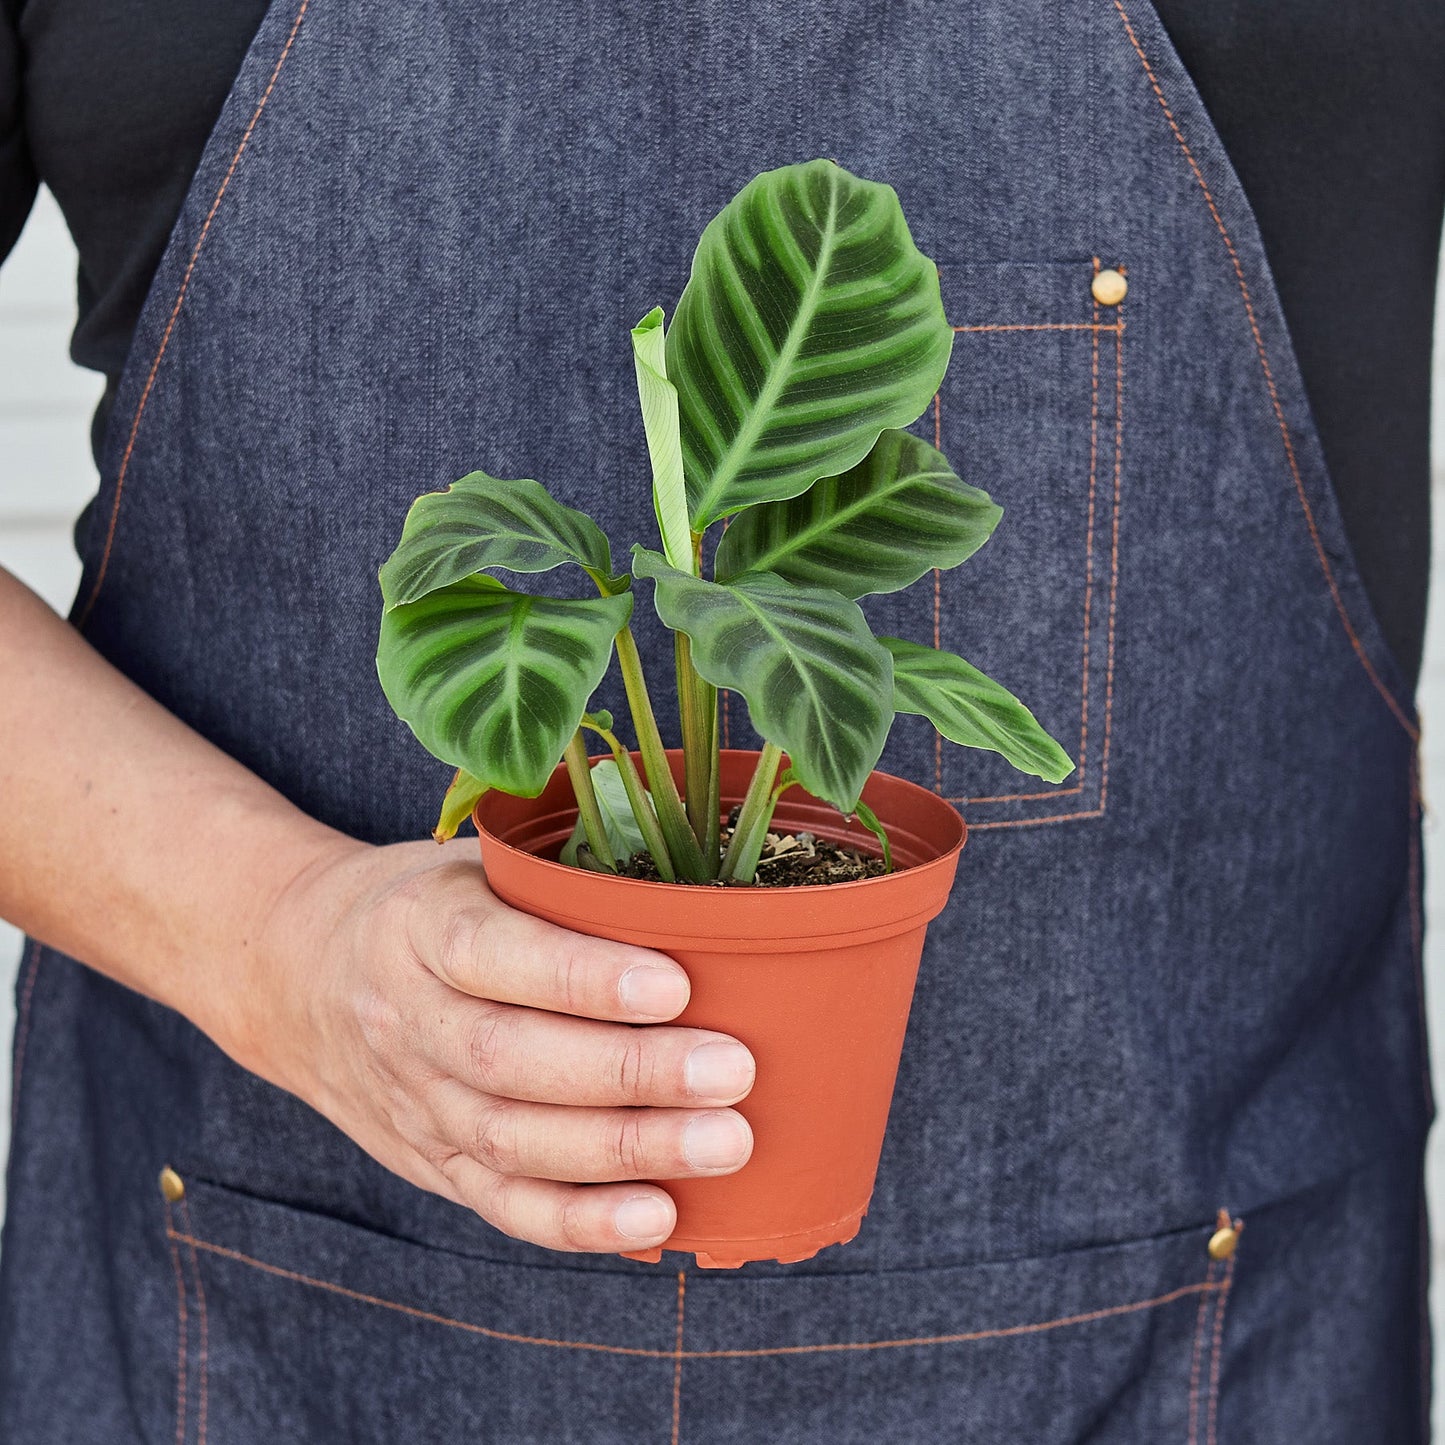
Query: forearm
{"points": [[126, 839], [473, 1050]]}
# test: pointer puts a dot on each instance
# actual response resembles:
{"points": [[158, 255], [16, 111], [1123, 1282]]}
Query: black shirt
{"points": [[1333, 112]]}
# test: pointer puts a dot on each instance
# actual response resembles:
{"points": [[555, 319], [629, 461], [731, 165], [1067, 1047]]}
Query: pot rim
{"points": [[804, 890]]}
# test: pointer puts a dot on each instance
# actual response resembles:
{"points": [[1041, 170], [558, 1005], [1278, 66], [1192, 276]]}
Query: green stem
{"points": [[580, 772], [681, 843], [641, 805], [697, 706], [711, 848], [753, 819]]}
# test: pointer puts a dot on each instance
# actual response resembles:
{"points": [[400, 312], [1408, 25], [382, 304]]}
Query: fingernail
{"points": [[654, 992], [719, 1070], [644, 1216], [716, 1141]]}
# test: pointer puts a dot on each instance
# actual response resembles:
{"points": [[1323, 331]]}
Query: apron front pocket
{"points": [[297, 1326]]}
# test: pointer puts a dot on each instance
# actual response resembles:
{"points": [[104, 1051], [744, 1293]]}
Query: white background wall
{"points": [[46, 476]]}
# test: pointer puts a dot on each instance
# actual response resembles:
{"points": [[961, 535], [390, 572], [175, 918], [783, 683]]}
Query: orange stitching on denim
{"points": [[1400, 715], [1048, 326], [1027, 797], [1113, 565], [1078, 788], [1212, 1437], [1113, 614], [22, 1030], [182, 1331], [1009, 1332], [1089, 531], [973, 1336], [1034, 822], [1196, 1360], [175, 312], [412, 1312], [677, 1359], [727, 719], [203, 1362]]}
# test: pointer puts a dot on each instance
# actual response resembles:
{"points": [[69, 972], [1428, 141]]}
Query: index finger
{"points": [[496, 952]]}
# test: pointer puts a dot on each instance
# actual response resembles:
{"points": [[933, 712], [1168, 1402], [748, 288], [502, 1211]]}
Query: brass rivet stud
{"points": [[173, 1187], [1109, 287], [1223, 1241]]}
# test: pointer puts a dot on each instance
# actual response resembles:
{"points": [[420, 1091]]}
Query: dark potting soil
{"points": [[789, 860]]}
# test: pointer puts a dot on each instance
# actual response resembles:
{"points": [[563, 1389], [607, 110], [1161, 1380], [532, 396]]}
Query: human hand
{"points": [[486, 1055]]}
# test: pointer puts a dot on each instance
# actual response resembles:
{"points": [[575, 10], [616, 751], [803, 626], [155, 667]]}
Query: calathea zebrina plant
{"points": [[810, 332]]}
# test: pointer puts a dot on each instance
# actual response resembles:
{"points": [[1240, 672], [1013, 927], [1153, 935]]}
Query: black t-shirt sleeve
{"points": [[1333, 114], [18, 181]]}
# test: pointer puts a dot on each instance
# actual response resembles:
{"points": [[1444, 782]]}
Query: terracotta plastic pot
{"points": [[816, 981]]}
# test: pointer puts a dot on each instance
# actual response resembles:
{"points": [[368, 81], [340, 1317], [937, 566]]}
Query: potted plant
{"points": [[811, 331]]}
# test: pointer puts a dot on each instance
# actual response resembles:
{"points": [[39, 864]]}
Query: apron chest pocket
{"points": [[1032, 411]]}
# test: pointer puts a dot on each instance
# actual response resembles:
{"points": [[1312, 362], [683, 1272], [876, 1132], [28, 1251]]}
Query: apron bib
{"points": [[1185, 981]]}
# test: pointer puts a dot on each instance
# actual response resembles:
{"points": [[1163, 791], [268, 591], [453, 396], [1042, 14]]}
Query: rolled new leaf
{"points": [[658, 398], [815, 680], [480, 523], [971, 709], [901, 512], [494, 681], [810, 323]]}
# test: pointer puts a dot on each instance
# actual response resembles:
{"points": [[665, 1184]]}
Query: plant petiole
{"points": [[697, 707], [580, 772], [681, 842], [869, 820], [756, 813], [637, 797]]}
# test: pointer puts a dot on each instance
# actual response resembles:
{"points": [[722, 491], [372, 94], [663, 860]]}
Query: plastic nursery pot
{"points": [[816, 981]]}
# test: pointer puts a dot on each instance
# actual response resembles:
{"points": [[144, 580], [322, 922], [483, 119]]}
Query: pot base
{"points": [[781, 1249]]}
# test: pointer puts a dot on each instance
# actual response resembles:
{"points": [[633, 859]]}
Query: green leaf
{"points": [[972, 709], [878, 528], [622, 831], [810, 323], [786, 779], [480, 523], [462, 796], [869, 820], [659, 419], [494, 681], [815, 680]]}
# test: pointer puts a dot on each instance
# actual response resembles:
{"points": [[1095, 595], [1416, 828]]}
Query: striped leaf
{"points": [[482, 522], [972, 709], [810, 323], [493, 681], [879, 527], [659, 420], [816, 682]]}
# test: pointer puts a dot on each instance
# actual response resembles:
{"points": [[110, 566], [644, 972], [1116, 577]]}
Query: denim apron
{"points": [[1173, 1001]]}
